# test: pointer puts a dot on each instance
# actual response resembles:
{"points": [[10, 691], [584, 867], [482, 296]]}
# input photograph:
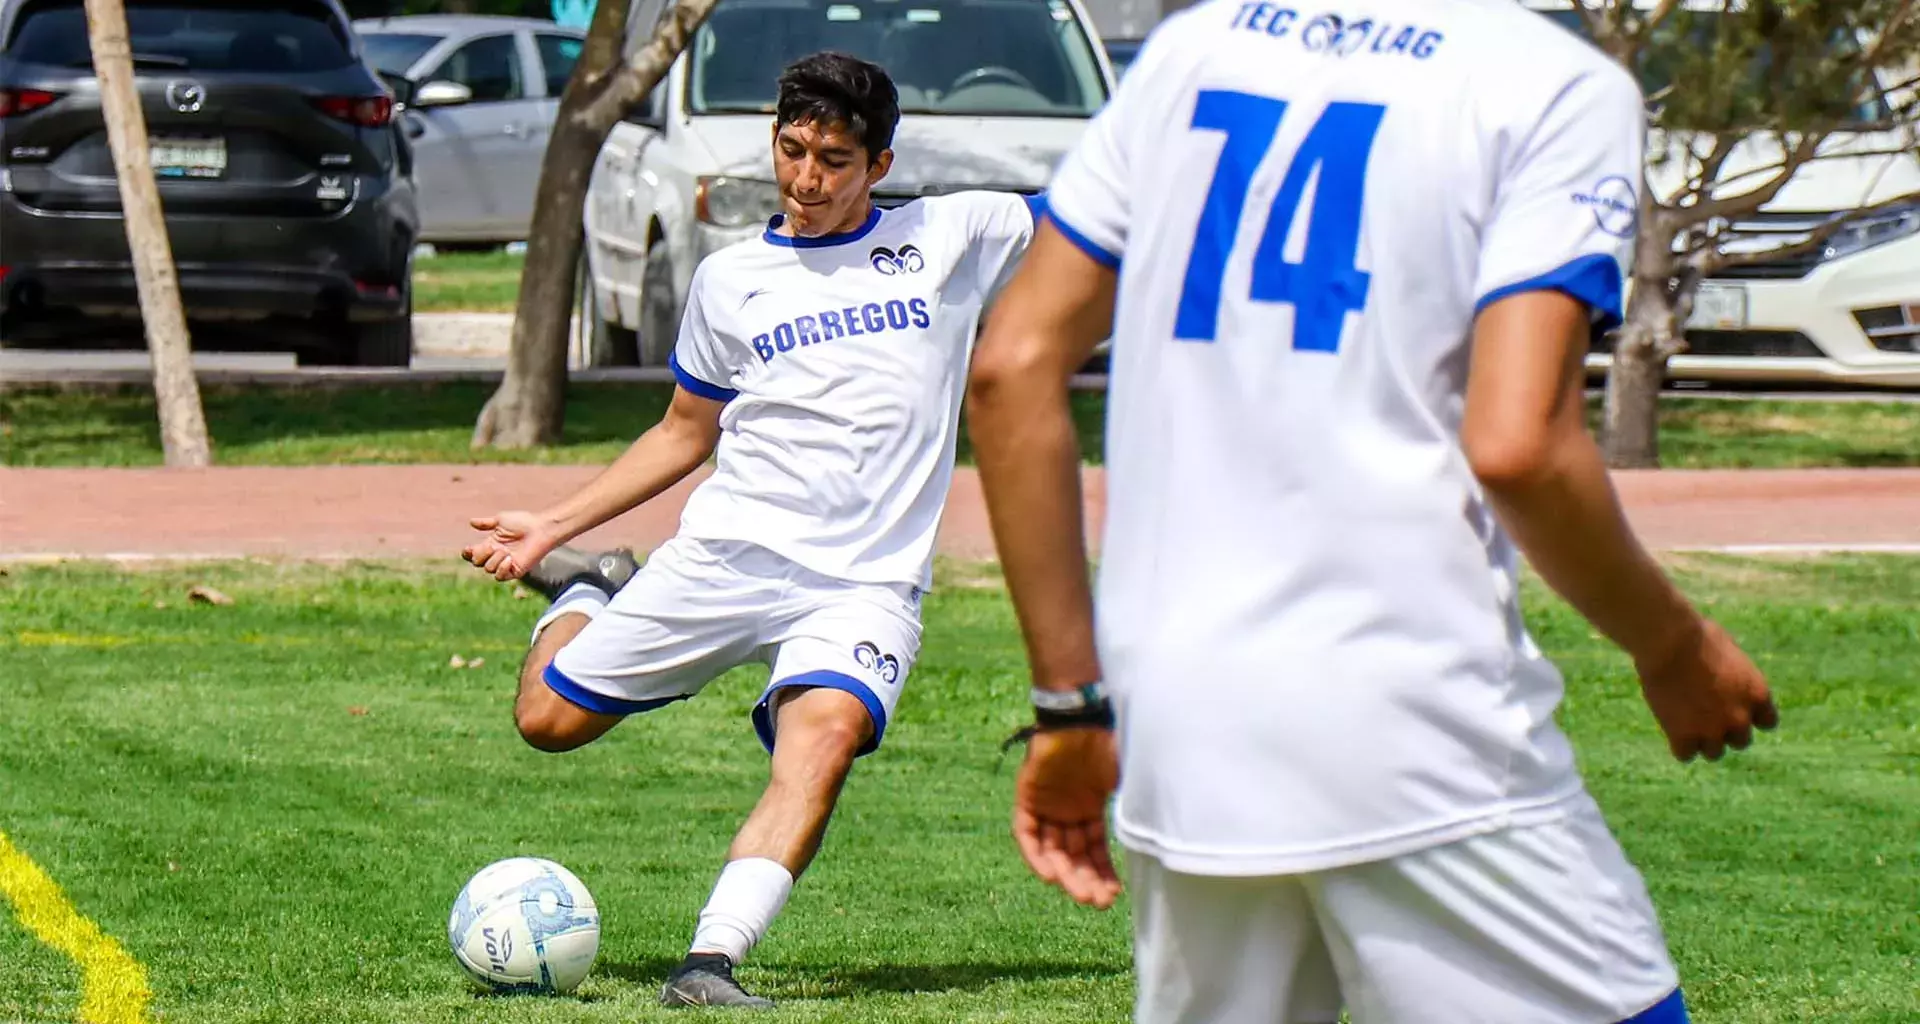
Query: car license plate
{"points": [[1719, 306], [188, 158]]}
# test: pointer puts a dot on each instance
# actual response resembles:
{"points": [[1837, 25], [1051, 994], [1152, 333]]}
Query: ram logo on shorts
{"points": [[867, 654]]}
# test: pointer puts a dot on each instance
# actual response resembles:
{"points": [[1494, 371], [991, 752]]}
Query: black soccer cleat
{"points": [[565, 566], [706, 979]]}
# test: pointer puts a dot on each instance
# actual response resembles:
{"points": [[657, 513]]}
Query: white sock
{"points": [[581, 599], [745, 900]]}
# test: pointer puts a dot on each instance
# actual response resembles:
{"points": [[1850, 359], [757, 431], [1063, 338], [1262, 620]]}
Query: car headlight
{"points": [[1867, 232], [735, 202]]}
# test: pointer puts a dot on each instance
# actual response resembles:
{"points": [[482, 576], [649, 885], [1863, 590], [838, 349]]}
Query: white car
{"points": [[993, 94], [1846, 314], [488, 90]]}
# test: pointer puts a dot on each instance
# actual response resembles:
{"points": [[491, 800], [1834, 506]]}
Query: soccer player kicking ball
{"points": [[1363, 256], [827, 361]]}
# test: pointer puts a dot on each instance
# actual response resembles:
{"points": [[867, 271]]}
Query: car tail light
{"points": [[365, 111], [24, 101]]}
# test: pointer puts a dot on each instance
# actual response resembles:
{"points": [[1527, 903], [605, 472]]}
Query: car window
{"points": [[973, 57], [201, 35], [489, 66], [396, 51], [558, 54]]}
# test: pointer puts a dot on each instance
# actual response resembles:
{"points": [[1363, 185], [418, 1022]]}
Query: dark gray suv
{"points": [[283, 171]]}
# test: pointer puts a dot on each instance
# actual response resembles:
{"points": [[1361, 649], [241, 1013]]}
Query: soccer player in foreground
{"points": [[827, 361], [1353, 268]]}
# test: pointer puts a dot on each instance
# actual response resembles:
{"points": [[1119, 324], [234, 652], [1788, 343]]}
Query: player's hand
{"points": [[1707, 694], [1060, 812], [514, 543]]}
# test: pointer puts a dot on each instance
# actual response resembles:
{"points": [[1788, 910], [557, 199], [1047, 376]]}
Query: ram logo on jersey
{"points": [[849, 322], [907, 261]]}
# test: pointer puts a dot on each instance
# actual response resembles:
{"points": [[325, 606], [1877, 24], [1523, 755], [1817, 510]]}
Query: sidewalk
{"points": [[374, 511]]}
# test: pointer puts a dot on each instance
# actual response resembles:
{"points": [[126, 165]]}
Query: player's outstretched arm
{"points": [[1526, 438], [660, 458], [1048, 320]]}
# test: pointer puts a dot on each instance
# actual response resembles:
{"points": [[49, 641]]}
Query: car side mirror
{"points": [[404, 89], [442, 93]]}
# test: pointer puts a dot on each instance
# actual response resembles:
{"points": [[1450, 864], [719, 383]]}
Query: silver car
{"points": [[488, 90]]}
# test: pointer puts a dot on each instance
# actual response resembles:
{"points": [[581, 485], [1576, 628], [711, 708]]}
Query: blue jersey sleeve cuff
{"points": [[694, 385], [1037, 206], [1081, 242], [1593, 279]]}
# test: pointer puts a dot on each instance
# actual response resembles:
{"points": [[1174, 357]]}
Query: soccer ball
{"points": [[525, 925]]}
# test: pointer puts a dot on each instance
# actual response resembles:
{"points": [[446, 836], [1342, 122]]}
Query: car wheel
{"points": [[387, 342], [608, 344], [383, 342], [659, 312]]}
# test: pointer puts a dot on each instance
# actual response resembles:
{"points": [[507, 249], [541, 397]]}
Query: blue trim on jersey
{"points": [[1671, 1010], [1111, 261], [599, 703], [1593, 279], [823, 241], [825, 679], [695, 385], [1037, 206]]}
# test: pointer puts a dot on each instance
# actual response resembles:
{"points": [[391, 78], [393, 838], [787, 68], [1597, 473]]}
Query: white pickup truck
{"points": [[993, 93]]}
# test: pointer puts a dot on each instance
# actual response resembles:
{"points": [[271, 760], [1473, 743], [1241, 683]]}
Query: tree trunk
{"points": [[1630, 434], [529, 408], [183, 425]]}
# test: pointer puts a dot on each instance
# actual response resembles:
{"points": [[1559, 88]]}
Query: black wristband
{"points": [[1095, 716]]}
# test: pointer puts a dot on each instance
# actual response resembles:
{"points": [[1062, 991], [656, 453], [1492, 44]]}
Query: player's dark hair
{"points": [[836, 88]]}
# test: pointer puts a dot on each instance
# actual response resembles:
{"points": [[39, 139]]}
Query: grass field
{"points": [[432, 423], [467, 282], [272, 804]]}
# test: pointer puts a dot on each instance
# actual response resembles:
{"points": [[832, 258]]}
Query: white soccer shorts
{"points": [[699, 608], [1541, 925]]}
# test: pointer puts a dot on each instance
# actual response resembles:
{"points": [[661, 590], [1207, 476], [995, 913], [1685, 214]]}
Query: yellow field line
{"points": [[113, 986]]}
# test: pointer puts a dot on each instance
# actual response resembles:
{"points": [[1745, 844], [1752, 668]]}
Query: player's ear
{"points": [[879, 167]]}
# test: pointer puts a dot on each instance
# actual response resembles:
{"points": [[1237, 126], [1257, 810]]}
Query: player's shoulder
{"points": [[733, 270], [1530, 59]]}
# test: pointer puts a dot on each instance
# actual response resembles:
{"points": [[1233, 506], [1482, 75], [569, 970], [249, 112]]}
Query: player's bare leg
{"points": [[820, 731], [546, 720]]}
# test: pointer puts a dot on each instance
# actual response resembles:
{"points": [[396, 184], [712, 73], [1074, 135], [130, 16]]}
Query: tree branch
{"points": [[630, 82], [1655, 17], [1862, 154], [1747, 202], [1711, 165]]}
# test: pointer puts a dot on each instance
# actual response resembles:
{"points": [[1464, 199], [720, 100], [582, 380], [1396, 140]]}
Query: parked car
{"points": [[488, 91], [993, 94], [1848, 313], [282, 177], [1121, 52]]}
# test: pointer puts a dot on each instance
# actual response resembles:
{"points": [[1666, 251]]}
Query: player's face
{"points": [[825, 175]]}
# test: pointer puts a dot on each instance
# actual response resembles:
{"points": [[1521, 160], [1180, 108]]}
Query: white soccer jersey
{"points": [[1307, 612], [843, 362]]}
